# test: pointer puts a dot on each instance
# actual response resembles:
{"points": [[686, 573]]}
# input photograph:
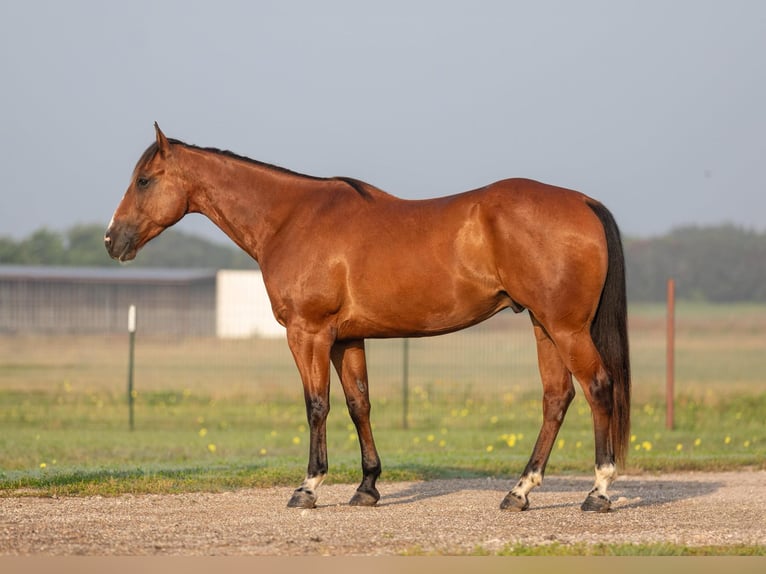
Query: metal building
{"points": [[94, 300]]}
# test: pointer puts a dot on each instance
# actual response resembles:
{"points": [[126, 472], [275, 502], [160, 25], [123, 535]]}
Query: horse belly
{"points": [[426, 279], [401, 308]]}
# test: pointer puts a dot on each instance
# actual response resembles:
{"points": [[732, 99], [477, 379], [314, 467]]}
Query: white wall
{"points": [[243, 308]]}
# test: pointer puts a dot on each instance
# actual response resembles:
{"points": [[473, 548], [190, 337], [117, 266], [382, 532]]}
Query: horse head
{"points": [[156, 199]]}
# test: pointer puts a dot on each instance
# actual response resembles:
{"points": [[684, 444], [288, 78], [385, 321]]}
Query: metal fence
{"points": [[492, 363], [408, 378]]}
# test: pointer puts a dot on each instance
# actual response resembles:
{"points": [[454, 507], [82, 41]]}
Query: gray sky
{"points": [[654, 107]]}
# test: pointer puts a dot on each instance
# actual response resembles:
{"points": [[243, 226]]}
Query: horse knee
{"points": [[317, 409], [360, 414], [358, 405], [556, 406]]}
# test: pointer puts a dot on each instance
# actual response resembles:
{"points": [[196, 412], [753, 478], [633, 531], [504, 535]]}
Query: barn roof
{"points": [[116, 274]]}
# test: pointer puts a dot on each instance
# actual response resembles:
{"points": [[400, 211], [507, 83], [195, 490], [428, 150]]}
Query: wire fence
{"points": [[719, 349], [410, 379]]}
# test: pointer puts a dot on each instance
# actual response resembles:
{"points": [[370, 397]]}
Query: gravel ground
{"points": [[440, 516]]}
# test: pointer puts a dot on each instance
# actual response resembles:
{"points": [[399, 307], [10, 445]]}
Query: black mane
{"points": [[359, 186]]}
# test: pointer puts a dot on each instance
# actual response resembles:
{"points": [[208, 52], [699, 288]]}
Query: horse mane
{"points": [[360, 187]]}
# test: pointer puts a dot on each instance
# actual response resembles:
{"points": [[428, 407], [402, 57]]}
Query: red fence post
{"points": [[670, 357]]}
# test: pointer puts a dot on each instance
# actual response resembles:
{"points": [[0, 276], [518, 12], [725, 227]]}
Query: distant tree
{"points": [[85, 246], [42, 247], [179, 249], [723, 263], [9, 250]]}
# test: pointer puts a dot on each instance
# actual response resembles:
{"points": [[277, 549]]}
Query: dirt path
{"points": [[442, 516]]}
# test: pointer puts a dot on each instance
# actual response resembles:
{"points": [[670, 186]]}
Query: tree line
{"points": [[83, 245], [722, 263]]}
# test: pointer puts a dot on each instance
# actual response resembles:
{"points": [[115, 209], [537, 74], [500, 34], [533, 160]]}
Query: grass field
{"points": [[213, 415]]}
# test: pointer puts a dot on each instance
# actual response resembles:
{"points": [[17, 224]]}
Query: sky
{"points": [[654, 107]]}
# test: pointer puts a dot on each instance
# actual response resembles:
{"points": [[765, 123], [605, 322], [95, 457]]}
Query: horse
{"points": [[344, 261]]}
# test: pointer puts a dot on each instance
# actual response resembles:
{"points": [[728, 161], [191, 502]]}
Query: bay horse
{"points": [[343, 261]]}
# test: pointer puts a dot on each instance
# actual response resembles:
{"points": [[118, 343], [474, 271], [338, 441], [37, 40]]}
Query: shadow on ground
{"points": [[629, 492]]}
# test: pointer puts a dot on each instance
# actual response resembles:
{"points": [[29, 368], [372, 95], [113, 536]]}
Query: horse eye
{"points": [[142, 182]]}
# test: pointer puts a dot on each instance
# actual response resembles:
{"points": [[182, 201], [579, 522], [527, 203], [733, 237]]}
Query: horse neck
{"points": [[247, 200]]}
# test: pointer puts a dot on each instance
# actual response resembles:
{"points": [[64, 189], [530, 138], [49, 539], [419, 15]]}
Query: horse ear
{"points": [[162, 141]]}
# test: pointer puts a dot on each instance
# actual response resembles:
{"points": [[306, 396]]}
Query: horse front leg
{"points": [[349, 360], [558, 392], [312, 357]]}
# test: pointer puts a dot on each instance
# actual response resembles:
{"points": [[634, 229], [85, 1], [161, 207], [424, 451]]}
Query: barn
{"points": [[170, 302]]}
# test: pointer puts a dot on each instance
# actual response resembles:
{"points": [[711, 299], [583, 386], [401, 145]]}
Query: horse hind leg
{"points": [[588, 368], [599, 395], [598, 500], [350, 363], [558, 393]]}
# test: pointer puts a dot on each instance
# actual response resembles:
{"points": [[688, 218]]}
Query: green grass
{"points": [[667, 549], [79, 443], [215, 415]]}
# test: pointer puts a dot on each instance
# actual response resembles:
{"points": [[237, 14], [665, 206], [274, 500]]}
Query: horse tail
{"points": [[609, 331]]}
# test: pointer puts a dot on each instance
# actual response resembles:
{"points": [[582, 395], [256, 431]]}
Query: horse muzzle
{"points": [[120, 245]]}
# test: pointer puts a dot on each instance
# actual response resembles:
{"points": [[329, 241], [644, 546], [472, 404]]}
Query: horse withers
{"points": [[343, 261]]}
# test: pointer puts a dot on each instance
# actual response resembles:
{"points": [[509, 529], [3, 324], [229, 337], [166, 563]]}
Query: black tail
{"points": [[610, 333]]}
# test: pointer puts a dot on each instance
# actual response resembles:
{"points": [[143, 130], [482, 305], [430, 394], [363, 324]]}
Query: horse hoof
{"points": [[302, 499], [364, 499], [514, 503], [596, 503]]}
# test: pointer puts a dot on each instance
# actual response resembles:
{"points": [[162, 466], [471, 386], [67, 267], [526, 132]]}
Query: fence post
{"points": [[670, 357], [131, 354]]}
